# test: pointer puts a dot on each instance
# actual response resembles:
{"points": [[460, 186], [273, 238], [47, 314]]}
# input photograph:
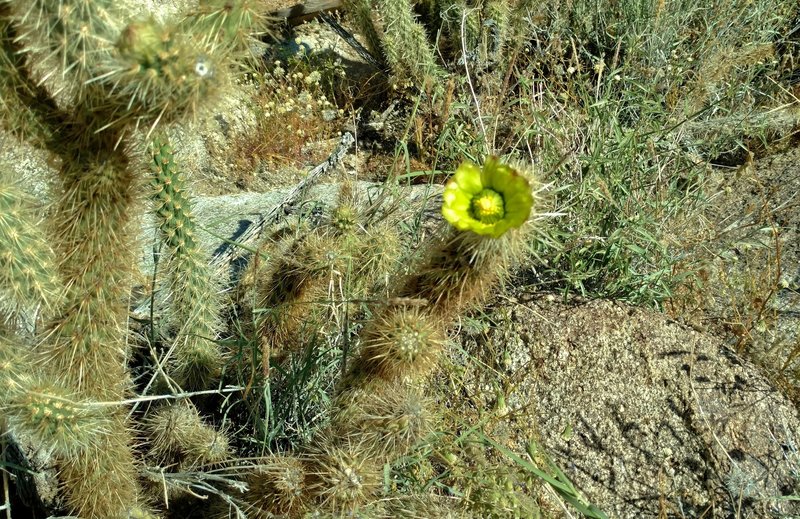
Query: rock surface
{"points": [[647, 417]]}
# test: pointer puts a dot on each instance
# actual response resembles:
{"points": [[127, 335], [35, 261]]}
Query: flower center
{"points": [[488, 207]]}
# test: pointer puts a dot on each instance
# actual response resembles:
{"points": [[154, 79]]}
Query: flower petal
{"points": [[468, 178], [503, 178], [456, 198], [491, 172], [500, 228], [519, 204], [455, 208], [482, 228], [455, 219]]}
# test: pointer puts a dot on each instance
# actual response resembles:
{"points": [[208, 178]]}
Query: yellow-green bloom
{"points": [[487, 201]]}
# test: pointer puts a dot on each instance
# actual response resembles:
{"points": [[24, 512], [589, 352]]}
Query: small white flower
{"points": [[314, 77]]}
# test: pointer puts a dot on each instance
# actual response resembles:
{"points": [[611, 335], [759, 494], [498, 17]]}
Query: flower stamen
{"points": [[488, 206]]}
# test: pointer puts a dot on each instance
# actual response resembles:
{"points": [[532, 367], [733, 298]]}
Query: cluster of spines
{"points": [[9, 360], [343, 475], [394, 416], [85, 346], [68, 424], [82, 354], [461, 270], [27, 264], [299, 290], [86, 79], [22, 104], [164, 72], [402, 342], [93, 236], [337, 476], [392, 32], [373, 240], [278, 486], [320, 272], [197, 360], [68, 40], [478, 30], [236, 23], [181, 440], [145, 71]]}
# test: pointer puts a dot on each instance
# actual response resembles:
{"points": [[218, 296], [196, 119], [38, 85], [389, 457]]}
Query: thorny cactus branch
{"points": [[197, 360], [78, 78]]}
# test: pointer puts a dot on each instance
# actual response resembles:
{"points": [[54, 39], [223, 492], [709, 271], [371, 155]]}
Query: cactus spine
{"points": [[319, 272], [390, 27], [180, 438], [277, 487], [402, 342], [86, 345], [100, 79], [460, 271], [197, 361], [343, 475], [394, 416], [27, 263]]}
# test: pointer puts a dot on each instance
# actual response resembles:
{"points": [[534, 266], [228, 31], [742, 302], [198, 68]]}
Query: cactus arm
{"points": [[28, 111], [27, 263], [195, 295]]}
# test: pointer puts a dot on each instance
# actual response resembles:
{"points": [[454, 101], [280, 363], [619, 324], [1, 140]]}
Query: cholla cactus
{"points": [[485, 205], [180, 438], [379, 412], [343, 475], [392, 32], [277, 487], [196, 361], [475, 31], [28, 276], [401, 342], [316, 273], [79, 77], [60, 420], [393, 416]]}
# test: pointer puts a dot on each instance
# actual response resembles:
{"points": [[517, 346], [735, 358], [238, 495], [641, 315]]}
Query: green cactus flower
{"points": [[487, 201]]}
